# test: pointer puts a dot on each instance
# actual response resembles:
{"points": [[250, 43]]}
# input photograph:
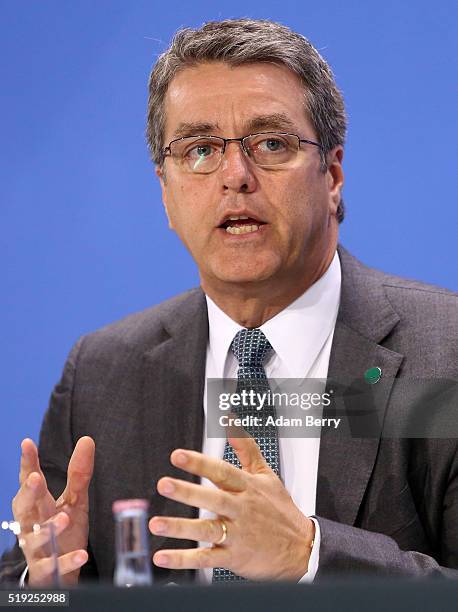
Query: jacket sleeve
{"points": [[348, 549]]}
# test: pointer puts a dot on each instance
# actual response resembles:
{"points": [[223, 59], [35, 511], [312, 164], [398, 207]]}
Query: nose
{"points": [[237, 170]]}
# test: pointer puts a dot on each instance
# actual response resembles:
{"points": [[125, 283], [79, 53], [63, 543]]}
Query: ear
{"points": [[335, 177], [160, 173]]}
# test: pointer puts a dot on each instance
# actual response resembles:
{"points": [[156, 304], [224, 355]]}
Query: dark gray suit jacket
{"points": [[385, 506]]}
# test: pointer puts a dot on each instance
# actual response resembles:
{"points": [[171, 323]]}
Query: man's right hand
{"points": [[34, 504]]}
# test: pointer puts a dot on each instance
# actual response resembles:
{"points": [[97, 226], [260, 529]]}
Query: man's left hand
{"points": [[267, 537]]}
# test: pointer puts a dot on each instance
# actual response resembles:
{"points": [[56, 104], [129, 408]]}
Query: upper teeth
{"points": [[236, 217]]}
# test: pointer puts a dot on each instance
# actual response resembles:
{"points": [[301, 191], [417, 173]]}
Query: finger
{"points": [[235, 431], [196, 495], [34, 543], [219, 472], [41, 572], [199, 530], [79, 473], [29, 460], [249, 454], [25, 507], [193, 558]]}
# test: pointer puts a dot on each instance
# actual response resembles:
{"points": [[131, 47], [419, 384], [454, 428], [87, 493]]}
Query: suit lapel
{"points": [[173, 399], [347, 457]]}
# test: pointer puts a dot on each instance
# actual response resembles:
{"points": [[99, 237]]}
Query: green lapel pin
{"points": [[373, 375]]}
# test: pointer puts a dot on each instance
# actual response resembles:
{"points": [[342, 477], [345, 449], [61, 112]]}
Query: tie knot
{"points": [[251, 347]]}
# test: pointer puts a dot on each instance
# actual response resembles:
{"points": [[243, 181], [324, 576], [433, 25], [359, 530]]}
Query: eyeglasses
{"points": [[203, 154]]}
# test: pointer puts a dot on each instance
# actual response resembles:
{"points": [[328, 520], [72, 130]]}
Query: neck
{"points": [[252, 304]]}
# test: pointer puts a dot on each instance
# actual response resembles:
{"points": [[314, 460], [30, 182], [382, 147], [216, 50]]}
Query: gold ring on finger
{"points": [[224, 534]]}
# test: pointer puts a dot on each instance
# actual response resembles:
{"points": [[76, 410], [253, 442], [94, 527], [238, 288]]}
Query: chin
{"points": [[244, 275], [244, 269]]}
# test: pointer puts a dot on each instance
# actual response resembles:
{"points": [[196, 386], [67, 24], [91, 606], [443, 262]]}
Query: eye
{"points": [[200, 150], [271, 144]]}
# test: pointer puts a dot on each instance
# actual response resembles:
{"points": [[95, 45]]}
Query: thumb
{"points": [[79, 472]]}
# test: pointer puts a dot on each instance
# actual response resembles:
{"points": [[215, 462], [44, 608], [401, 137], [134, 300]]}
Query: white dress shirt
{"points": [[301, 338]]}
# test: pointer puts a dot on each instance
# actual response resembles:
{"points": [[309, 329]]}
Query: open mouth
{"points": [[241, 224]]}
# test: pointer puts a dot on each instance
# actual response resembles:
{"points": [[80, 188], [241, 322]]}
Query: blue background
{"points": [[84, 237]]}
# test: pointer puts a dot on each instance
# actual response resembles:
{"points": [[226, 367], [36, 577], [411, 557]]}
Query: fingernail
{"points": [[79, 558], [32, 482], [159, 527], [181, 459], [57, 521], [60, 518], [162, 560], [168, 487]]}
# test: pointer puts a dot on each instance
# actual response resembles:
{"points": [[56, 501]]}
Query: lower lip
{"points": [[249, 235]]}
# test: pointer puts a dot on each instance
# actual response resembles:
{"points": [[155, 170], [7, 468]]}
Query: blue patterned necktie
{"points": [[251, 348]]}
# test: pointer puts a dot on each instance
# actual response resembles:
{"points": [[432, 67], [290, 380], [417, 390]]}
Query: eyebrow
{"points": [[194, 128], [274, 121]]}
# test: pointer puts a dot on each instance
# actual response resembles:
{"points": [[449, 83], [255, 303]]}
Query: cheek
{"points": [[305, 201], [294, 207], [301, 215], [179, 204], [187, 211]]}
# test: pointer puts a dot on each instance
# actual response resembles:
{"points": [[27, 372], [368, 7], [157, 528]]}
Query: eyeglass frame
{"points": [[166, 151]]}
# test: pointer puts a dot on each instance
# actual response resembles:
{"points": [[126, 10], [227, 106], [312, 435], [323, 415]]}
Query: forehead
{"points": [[228, 99]]}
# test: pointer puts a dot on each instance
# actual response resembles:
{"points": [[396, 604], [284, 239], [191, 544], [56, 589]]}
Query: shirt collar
{"points": [[221, 332], [297, 333]]}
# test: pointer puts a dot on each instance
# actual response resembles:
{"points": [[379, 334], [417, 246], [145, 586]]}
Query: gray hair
{"points": [[242, 41]]}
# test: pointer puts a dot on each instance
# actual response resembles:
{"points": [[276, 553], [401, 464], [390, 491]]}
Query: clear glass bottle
{"points": [[133, 559]]}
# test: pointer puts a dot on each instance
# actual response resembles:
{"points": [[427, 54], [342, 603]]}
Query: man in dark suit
{"points": [[246, 127]]}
